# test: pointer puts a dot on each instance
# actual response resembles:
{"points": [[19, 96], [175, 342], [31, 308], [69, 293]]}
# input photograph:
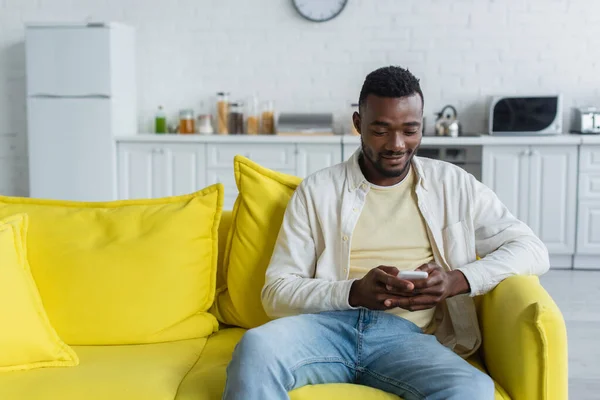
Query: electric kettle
{"points": [[447, 122]]}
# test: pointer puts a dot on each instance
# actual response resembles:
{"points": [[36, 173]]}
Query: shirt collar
{"points": [[356, 178]]}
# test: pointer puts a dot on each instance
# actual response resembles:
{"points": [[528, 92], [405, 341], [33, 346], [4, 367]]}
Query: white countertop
{"points": [[590, 139], [483, 140], [197, 138], [487, 140]]}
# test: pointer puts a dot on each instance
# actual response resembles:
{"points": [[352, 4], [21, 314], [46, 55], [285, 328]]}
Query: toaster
{"points": [[586, 120]]}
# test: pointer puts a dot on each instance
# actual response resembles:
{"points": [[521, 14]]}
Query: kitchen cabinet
{"points": [[219, 163], [588, 219], [348, 149], [538, 185], [311, 158], [277, 156], [147, 170], [553, 197], [157, 169], [588, 239], [505, 169]]}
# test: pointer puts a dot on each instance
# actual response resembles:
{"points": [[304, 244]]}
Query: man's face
{"points": [[391, 132]]}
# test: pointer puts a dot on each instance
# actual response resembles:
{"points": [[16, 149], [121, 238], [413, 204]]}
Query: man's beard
{"points": [[376, 161]]}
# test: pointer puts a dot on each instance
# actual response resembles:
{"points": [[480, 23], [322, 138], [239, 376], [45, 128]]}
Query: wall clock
{"points": [[319, 10]]}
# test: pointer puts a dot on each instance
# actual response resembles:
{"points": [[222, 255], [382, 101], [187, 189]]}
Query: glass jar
{"points": [[205, 124], [186, 122], [236, 118], [252, 121], [268, 119], [222, 113]]}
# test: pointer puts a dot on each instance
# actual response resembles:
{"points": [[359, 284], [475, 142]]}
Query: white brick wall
{"points": [[463, 51]]}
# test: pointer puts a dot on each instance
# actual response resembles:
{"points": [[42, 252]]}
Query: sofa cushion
{"points": [[27, 339], [125, 272], [126, 372], [257, 216], [206, 380], [348, 391]]}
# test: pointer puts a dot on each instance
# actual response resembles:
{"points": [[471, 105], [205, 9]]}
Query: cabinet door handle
{"points": [[526, 153], [534, 153]]}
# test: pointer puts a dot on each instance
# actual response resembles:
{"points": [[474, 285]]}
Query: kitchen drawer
{"points": [[273, 156], [589, 158], [589, 185]]}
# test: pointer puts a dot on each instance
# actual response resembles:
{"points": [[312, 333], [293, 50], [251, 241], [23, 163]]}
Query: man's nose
{"points": [[396, 143]]}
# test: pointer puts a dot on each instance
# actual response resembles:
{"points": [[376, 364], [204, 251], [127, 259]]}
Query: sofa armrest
{"points": [[524, 340]]}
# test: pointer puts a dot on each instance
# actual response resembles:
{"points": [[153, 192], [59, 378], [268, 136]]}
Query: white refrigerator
{"points": [[81, 93]]}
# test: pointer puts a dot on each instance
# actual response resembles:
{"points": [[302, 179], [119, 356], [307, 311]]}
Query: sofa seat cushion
{"points": [[206, 380], [127, 372]]}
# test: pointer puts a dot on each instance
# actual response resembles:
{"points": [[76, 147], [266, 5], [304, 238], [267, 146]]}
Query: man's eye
{"points": [[411, 132], [379, 132]]}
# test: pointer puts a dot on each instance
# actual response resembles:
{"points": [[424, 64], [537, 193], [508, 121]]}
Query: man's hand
{"points": [[428, 293], [370, 291]]}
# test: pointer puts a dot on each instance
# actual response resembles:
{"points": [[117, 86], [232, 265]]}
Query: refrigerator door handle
{"points": [[56, 96]]}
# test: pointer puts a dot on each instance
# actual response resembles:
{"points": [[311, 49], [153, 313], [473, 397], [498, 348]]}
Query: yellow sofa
{"points": [[524, 350]]}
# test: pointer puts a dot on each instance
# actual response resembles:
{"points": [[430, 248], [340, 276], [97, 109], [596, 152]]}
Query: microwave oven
{"points": [[526, 115]]}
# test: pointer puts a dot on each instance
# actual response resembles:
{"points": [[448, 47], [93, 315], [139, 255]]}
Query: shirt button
{"points": [[355, 209], [345, 238], [345, 270], [364, 186]]}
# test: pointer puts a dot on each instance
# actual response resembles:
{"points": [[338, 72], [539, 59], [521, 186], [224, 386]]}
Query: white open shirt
{"points": [[308, 272]]}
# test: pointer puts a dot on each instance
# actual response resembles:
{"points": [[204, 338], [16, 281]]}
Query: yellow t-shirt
{"points": [[391, 231]]}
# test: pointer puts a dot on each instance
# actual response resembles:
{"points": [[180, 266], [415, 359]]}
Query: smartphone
{"points": [[412, 275]]}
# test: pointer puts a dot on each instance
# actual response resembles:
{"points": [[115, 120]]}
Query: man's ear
{"points": [[356, 121]]}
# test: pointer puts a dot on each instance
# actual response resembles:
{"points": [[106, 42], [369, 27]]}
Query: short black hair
{"points": [[390, 81]]}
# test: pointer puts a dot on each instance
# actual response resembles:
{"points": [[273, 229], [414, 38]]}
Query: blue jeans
{"points": [[366, 347]]}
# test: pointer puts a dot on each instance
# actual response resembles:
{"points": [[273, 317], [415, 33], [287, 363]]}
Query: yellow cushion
{"points": [[257, 216], [126, 372], [206, 381], [125, 272], [340, 391], [224, 226], [27, 339], [348, 391]]}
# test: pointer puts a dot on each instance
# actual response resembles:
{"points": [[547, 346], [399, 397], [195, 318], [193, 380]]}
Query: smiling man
{"points": [[342, 313]]}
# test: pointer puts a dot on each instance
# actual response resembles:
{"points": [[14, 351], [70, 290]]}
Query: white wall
{"points": [[463, 51]]}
